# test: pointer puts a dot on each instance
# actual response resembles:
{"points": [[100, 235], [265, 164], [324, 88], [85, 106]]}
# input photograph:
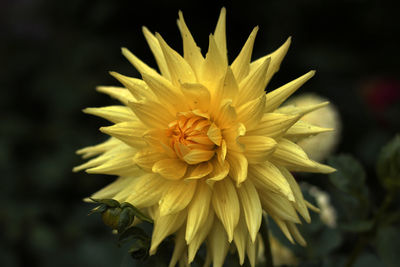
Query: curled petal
{"points": [[238, 167]]}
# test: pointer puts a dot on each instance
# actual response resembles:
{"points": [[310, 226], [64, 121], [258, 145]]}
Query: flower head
{"points": [[201, 148]]}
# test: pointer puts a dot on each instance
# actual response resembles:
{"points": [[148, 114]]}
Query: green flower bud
{"points": [[111, 217]]}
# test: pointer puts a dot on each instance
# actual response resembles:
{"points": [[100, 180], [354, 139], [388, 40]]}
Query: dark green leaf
{"points": [[323, 243], [357, 226], [388, 245], [350, 175], [139, 249], [368, 260], [388, 166]]}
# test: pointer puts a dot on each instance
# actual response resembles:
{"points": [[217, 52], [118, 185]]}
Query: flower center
{"points": [[188, 138]]}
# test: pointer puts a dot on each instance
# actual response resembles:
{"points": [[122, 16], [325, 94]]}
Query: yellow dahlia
{"points": [[202, 150]]}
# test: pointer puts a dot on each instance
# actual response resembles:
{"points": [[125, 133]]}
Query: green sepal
{"points": [[112, 203], [140, 215], [125, 218]]}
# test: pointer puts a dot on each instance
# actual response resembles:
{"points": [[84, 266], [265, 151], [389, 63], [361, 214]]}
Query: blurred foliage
{"points": [[53, 55]]}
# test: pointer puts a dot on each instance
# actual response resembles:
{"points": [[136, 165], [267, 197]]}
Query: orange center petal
{"points": [[188, 138]]}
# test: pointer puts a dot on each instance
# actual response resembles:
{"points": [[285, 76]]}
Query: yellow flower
{"points": [[201, 148]]}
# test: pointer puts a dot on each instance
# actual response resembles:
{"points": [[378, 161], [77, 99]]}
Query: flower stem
{"points": [[266, 239]]}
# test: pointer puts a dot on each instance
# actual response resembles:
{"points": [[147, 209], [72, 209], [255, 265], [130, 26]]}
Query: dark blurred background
{"points": [[54, 53]]}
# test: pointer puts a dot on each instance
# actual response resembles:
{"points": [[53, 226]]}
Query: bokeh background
{"points": [[54, 53]]}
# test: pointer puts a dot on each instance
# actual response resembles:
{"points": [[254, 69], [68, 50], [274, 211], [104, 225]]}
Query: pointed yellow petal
{"points": [[112, 189], [274, 124], [250, 113], [179, 247], [228, 88], [312, 207], [266, 177], [197, 96], [276, 97], [301, 110], [214, 66], [300, 203], [302, 129], [152, 114], [278, 206], [258, 148], [293, 157], [157, 52], [137, 87], [239, 165], [201, 235], [147, 157], [167, 94], [177, 197], [251, 205], [282, 225], [240, 237], [118, 164], [129, 132], [220, 35], [172, 169], [241, 65], [218, 243], [191, 52], [253, 85], [296, 234], [148, 190], [164, 226], [179, 69], [114, 114], [137, 63], [251, 252], [198, 210], [276, 59], [91, 151], [121, 94], [226, 205]]}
